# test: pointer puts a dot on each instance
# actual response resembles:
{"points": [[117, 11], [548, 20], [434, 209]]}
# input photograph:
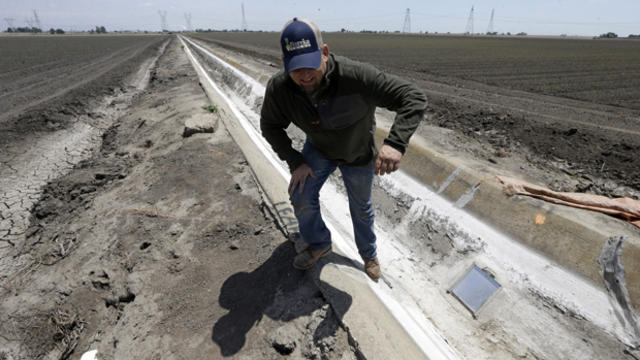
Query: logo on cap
{"points": [[297, 45]]}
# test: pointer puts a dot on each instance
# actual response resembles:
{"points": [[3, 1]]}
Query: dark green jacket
{"points": [[340, 121]]}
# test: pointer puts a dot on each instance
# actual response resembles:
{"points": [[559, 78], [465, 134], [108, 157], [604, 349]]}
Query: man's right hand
{"points": [[299, 177]]}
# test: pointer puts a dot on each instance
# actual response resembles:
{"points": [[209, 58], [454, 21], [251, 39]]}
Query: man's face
{"points": [[309, 80]]}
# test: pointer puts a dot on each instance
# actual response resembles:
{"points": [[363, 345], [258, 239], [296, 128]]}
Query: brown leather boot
{"points": [[372, 268], [308, 257]]}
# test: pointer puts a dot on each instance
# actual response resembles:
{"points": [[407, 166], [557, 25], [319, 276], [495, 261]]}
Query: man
{"points": [[332, 100]]}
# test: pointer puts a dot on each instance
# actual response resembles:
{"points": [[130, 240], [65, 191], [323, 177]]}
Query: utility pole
{"points": [[244, 20], [187, 18], [406, 27], [163, 20], [469, 29], [490, 27]]}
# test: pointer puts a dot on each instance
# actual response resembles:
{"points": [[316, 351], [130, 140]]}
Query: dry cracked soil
{"points": [[158, 246]]}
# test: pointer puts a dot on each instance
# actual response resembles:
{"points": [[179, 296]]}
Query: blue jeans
{"points": [[306, 205]]}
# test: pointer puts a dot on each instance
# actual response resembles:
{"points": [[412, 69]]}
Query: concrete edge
{"points": [[376, 332], [573, 238]]}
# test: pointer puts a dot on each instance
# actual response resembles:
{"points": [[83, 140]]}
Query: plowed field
{"points": [[34, 70], [600, 71], [569, 106]]}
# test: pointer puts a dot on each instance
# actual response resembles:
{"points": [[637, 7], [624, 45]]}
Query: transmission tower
{"points": [[187, 18], [163, 20], [406, 28], [29, 22], [36, 20], [9, 23], [469, 29], [244, 19], [490, 27]]}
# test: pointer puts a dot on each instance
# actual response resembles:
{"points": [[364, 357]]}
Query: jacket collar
{"points": [[331, 65]]}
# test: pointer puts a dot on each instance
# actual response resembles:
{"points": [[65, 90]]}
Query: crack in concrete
{"points": [[613, 275], [450, 179], [337, 310], [466, 197]]}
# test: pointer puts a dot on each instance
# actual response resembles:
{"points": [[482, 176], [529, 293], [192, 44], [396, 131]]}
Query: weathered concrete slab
{"points": [[571, 237]]}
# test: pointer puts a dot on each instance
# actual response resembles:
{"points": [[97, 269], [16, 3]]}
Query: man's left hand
{"points": [[388, 160]]}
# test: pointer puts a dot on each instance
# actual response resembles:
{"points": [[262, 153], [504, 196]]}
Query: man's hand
{"points": [[299, 177], [388, 160]]}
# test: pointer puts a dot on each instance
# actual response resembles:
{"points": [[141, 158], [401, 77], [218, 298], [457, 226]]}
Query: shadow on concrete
{"points": [[277, 290]]}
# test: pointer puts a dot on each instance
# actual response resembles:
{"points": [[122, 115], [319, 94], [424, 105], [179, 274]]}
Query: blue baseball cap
{"points": [[301, 44]]}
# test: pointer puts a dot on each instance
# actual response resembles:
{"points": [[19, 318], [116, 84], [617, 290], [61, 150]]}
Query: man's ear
{"points": [[325, 50]]}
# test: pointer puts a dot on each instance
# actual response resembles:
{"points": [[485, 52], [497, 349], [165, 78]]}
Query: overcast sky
{"points": [[540, 17]]}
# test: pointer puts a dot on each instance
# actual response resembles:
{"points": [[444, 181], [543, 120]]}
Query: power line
{"points": [[383, 18], [512, 19], [406, 28]]}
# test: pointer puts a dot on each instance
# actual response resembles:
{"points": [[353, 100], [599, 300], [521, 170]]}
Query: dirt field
{"points": [[120, 234], [492, 92], [138, 251], [37, 69], [599, 71]]}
